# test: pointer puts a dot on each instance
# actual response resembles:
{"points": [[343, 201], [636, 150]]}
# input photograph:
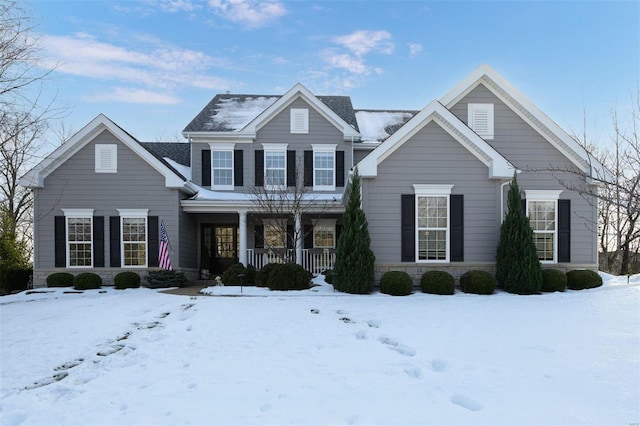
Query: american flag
{"points": [[164, 261]]}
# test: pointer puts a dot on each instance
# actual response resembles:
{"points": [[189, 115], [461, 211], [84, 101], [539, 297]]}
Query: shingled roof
{"points": [[231, 112], [180, 152]]}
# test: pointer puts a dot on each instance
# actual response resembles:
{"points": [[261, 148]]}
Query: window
{"points": [[106, 158], [324, 163], [432, 222], [324, 234], [133, 229], [222, 166], [275, 166], [542, 209], [79, 223], [275, 234], [299, 120], [481, 119]]}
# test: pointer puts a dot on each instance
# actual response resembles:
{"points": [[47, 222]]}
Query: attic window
{"points": [[481, 119], [299, 120], [106, 158]]}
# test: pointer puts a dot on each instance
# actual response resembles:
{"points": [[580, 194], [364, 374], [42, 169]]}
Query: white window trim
{"points": [[305, 120], [546, 195], [325, 148], [429, 190], [223, 147], [279, 148], [132, 214], [273, 224], [471, 109], [77, 214], [324, 223], [113, 152]]}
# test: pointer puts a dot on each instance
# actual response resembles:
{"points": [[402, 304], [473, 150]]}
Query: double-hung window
{"points": [[542, 210], [222, 166], [79, 224], [134, 237], [324, 234], [275, 166], [324, 167], [275, 233], [432, 222]]}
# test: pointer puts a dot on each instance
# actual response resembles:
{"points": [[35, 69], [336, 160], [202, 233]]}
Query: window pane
{"points": [[79, 239], [544, 245], [323, 165], [432, 245], [433, 220], [134, 237], [324, 237], [222, 166], [275, 164]]}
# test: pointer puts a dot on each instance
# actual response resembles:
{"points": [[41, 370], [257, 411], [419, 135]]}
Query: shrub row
{"points": [[126, 279]]}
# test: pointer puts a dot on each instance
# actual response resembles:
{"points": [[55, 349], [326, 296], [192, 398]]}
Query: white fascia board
{"points": [[498, 166], [207, 137], [486, 74]]}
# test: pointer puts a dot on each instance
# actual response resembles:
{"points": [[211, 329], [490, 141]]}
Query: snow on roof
{"points": [[180, 168], [236, 112], [379, 125]]}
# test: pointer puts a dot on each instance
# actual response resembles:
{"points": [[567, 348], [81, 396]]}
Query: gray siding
{"points": [[188, 240], [75, 184], [534, 155], [432, 156]]}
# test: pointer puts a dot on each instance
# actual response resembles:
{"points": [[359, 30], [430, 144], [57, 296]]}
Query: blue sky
{"points": [[152, 65]]}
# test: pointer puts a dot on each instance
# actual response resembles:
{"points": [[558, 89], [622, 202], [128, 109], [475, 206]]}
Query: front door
{"points": [[221, 241]]}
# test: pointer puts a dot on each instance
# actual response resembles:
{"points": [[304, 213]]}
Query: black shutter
{"points": [[259, 167], [456, 215], [339, 168], [258, 237], [60, 242], [154, 241], [114, 241], [564, 230], [523, 204], [206, 167], [408, 227], [308, 168], [238, 164], [338, 233], [308, 236], [290, 237], [291, 168], [98, 241]]}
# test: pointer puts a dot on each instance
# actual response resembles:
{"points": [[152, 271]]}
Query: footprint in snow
{"points": [[346, 320], [164, 315], [413, 372], [373, 323], [315, 311], [187, 306], [45, 382], [439, 365], [111, 350], [466, 402], [396, 346], [69, 365], [361, 335], [341, 312]]}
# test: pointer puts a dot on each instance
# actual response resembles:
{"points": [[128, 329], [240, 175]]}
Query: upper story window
{"points": [[324, 167], [133, 237], [222, 166], [481, 119], [299, 120], [432, 222], [106, 158], [275, 166], [79, 223], [542, 209]]}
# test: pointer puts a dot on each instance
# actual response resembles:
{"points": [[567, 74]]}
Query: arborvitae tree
{"points": [[353, 271], [517, 266]]}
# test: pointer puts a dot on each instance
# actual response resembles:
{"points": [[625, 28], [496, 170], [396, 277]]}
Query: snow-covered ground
{"points": [[318, 357]]}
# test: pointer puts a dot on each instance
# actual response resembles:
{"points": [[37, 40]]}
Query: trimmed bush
{"points": [[553, 280], [126, 279], [289, 276], [165, 279], [396, 283], [581, 279], [477, 282], [328, 276], [87, 281], [437, 282], [17, 279], [262, 276], [60, 279], [231, 275]]}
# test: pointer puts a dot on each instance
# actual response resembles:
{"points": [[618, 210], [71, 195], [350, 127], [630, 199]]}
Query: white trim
{"points": [[542, 195], [299, 118], [275, 146], [439, 191], [222, 146], [84, 213], [106, 158], [324, 223], [77, 214], [280, 148], [133, 212], [226, 147], [473, 111], [429, 189], [324, 148], [545, 196]]}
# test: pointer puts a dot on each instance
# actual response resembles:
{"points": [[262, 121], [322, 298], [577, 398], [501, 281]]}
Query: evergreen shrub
{"points": [[60, 279], [289, 276], [437, 282], [17, 279], [328, 276], [127, 279], [581, 279], [87, 281], [477, 282], [262, 276], [165, 279], [553, 280], [232, 275], [396, 283]]}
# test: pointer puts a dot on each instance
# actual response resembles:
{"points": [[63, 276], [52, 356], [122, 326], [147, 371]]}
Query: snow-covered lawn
{"points": [[318, 357]]}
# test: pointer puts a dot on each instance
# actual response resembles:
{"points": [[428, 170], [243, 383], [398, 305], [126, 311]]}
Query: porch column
{"points": [[242, 256], [299, 239]]}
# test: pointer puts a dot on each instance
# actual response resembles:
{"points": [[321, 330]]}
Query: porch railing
{"points": [[313, 260]]}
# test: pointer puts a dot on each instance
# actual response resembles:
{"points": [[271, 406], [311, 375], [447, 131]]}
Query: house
{"points": [[263, 179]]}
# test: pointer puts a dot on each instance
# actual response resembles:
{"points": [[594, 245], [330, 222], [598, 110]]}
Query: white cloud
{"points": [[252, 13], [134, 96], [345, 61], [415, 48], [362, 42], [177, 6]]}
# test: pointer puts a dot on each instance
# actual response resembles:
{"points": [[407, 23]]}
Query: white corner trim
{"points": [[78, 212], [133, 212], [540, 195], [429, 189]]}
